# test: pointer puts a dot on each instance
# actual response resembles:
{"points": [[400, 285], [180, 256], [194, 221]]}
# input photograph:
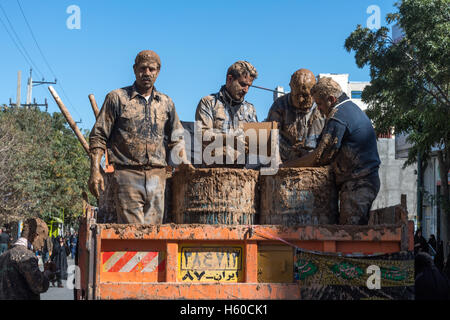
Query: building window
{"points": [[356, 94]]}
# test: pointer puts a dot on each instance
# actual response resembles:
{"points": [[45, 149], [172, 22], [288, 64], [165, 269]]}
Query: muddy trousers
{"points": [[355, 200], [139, 195]]}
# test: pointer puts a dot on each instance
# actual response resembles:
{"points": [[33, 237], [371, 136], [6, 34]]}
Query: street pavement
{"points": [[55, 293]]}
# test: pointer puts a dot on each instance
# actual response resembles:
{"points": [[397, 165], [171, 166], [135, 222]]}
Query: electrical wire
{"points": [[23, 50], [15, 43], [45, 59], [35, 41]]}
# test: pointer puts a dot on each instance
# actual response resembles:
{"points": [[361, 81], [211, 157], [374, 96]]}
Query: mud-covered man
{"points": [[225, 112], [299, 120], [20, 277], [139, 126], [348, 143]]}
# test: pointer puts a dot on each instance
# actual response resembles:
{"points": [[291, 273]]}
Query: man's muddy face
{"points": [[301, 97], [146, 73], [301, 84], [325, 105], [239, 87]]}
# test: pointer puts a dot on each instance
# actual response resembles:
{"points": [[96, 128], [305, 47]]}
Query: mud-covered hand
{"points": [[96, 182], [185, 167]]}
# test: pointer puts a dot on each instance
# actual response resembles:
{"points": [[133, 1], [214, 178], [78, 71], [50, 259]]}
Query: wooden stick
{"points": [[69, 119], [94, 105], [108, 168]]}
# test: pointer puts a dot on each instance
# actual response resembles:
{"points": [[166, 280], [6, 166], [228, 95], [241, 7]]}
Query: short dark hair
{"points": [[326, 87], [147, 55], [242, 68]]}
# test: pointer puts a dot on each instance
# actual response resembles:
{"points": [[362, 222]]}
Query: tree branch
{"points": [[430, 79]]}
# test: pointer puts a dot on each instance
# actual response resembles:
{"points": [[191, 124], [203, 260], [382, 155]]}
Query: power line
{"points": [[45, 59], [35, 41], [28, 57], [15, 43]]}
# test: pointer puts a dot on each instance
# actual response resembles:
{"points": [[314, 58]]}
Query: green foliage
{"points": [[47, 167], [410, 79]]}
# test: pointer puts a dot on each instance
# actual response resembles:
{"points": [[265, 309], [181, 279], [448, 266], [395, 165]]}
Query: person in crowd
{"points": [[439, 258], [73, 244], [430, 283], [20, 276], [432, 242], [59, 257], [4, 240], [420, 244]]}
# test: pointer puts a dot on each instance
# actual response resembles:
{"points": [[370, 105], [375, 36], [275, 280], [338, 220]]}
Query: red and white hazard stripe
{"points": [[132, 261]]}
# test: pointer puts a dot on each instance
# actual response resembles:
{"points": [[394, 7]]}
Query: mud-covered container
{"points": [[299, 196], [215, 196]]}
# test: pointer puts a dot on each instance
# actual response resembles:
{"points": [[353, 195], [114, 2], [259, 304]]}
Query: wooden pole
{"points": [[69, 119], [108, 168], [94, 105]]}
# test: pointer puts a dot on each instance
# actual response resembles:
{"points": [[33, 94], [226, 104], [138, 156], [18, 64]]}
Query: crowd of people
{"points": [[432, 270]]}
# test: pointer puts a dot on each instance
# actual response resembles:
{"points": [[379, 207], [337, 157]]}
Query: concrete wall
{"points": [[395, 181]]}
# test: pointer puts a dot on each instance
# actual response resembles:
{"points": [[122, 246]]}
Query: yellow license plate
{"points": [[211, 263]]}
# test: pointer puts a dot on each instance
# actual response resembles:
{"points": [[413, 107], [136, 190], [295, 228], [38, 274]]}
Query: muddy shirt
{"points": [[20, 277], [136, 132], [348, 142], [299, 130], [219, 112]]}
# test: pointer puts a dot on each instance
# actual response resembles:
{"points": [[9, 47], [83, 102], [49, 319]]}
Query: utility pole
{"points": [[30, 85], [19, 76]]}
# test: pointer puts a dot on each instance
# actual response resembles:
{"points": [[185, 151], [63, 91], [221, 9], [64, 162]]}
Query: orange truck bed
{"points": [[173, 261]]}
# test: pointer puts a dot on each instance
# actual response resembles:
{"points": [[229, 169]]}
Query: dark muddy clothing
{"points": [[136, 132], [356, 198], [348, 143], [220, 112], [138, 135], [139, 195], [20, 277], [299, 130], [59, 257]]}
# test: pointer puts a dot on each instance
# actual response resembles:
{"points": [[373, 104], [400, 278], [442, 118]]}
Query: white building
{"points": [[353, 89]]}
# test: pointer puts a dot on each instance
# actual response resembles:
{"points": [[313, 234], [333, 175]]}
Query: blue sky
{"points": [[196, 40]]}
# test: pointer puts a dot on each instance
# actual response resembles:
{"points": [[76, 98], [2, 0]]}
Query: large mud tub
{"points": [[299, 196], [215, 196]]}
